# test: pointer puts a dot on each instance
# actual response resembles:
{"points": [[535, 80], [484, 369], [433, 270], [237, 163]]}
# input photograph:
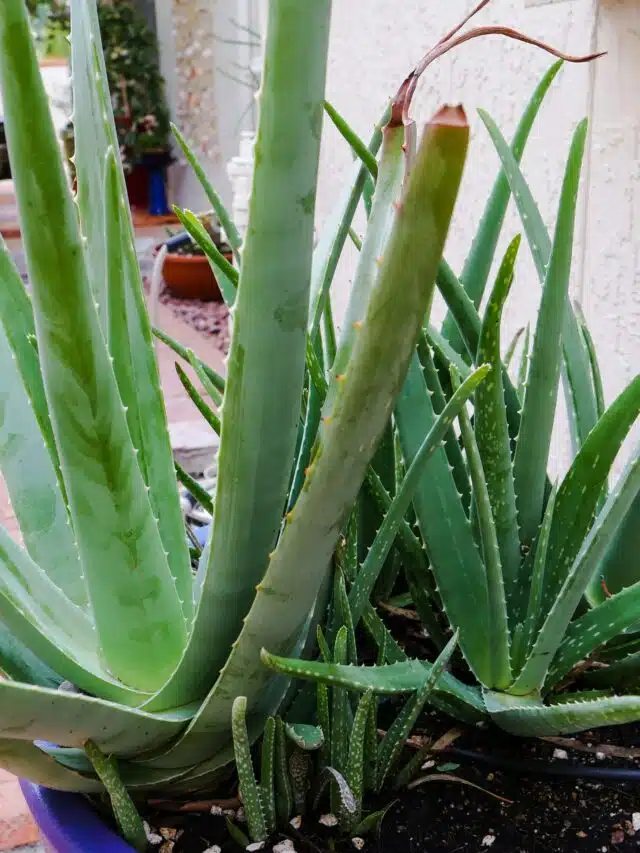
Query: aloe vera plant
{"points": [[120, 660], [540, 580]]}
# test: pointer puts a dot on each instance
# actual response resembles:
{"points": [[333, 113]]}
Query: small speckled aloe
{"points": [[121, 659]]}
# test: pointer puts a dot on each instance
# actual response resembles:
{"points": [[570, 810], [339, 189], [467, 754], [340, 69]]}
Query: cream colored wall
{"points": [[375, 43], [199, 57]]}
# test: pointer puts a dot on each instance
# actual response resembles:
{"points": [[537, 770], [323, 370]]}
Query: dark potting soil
{"points": [[535, 814]]}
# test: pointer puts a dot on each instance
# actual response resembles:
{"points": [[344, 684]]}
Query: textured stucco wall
{"points": [[372, 50], [202, 62]]}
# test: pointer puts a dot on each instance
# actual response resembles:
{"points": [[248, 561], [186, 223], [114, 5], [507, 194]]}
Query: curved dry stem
{"points": [[402, 101]]}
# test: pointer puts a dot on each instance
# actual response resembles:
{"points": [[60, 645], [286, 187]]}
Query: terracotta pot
{"points": [[191, 277]]}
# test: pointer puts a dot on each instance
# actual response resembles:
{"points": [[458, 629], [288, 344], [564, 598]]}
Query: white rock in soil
{"points": [[328, 820], [561, 754], [257, 845], [296, 822], [285, 846], [215, 849], [358, 842], [216, 811], [488, 840], [152, 835]]}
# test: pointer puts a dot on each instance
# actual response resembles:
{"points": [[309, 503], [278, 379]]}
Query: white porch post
{"points": [[240, 167]]}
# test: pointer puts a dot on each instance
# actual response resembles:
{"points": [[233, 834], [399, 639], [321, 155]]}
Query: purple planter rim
{"points": [[69, 824]]}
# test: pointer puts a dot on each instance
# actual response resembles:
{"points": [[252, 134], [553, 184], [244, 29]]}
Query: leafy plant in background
{"points": [[540, 580], [120, 662], [136, 86]]}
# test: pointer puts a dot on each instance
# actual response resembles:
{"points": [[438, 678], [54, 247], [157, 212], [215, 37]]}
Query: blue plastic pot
{"points": [[68, 823]]}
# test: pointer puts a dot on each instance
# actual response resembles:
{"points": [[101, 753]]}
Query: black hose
{"points": [[544, 768]]}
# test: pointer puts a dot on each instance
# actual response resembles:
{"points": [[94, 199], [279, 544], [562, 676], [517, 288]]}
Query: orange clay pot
{"points": [[191, 277]]}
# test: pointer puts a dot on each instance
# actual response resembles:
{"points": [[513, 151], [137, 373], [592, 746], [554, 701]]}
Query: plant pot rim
{"points": [[69, 824], [184, 259]]}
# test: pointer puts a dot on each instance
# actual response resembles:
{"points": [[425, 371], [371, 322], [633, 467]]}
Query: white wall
{"points": [[373, 49], [199, 56]]}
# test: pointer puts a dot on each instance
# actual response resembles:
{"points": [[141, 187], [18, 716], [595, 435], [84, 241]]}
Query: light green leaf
{"points": [[539, 405], [581, 399], [366, 577], [480, 259], [261, 408], [528, 717], [491, 428], [230, 230], [69, 719], [595, 544]]}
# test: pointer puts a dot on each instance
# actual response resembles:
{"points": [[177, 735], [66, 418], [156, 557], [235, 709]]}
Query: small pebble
{"points": [[296, 822], [428, 764], [328, 820], [152, 835], [488, 840], [600, 756], [285, 846], [241, 816], [215, 849], [358, 842], [635, 821], [257, 845], [169, 833], [166, 847], [560, 754]]}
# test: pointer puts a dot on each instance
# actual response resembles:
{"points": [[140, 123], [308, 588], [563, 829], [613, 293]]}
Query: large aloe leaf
{"points": [[105, 222], [581, 399], [498, 640], [451, 443], [19, 663], [59, 633], [475, 273], [400, 677], [539, 405], [580, 491], [446, 530], [16, 316], [595, 545], [350, 428], [69, 719], [492, 429], [32, 482], [529, 717], [620, 565], [598, 625], [261, 409], [137, 610], [368, 573], [27, 761], [335, 232], [388, 192]]}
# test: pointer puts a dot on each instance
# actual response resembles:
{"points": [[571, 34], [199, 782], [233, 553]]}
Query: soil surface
{"points": [[511, 811]]}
